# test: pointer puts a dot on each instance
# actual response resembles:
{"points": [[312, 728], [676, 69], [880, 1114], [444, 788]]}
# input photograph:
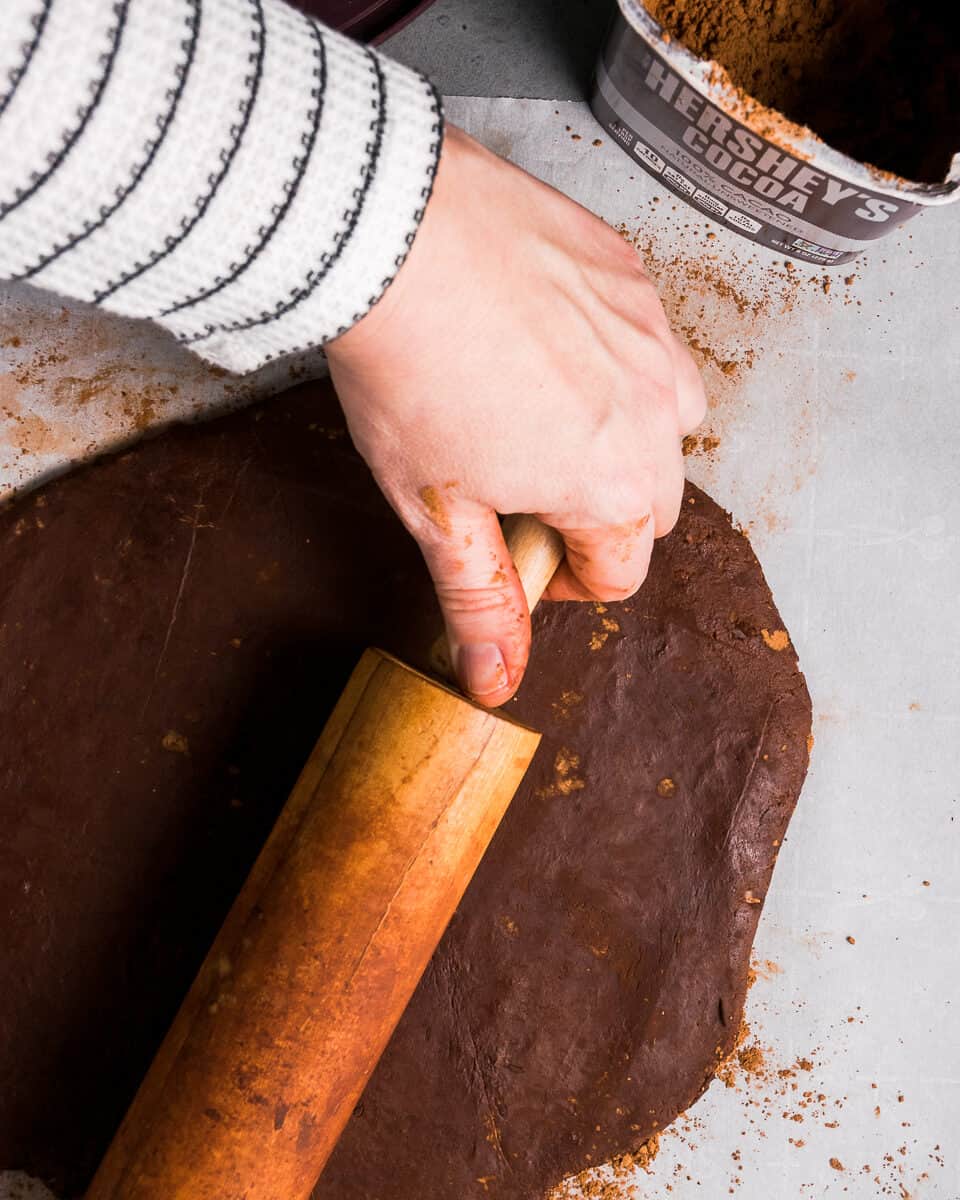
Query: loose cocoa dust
{"points": [[77, 381], [786, 1098], [620, 1182], [732, 311], [699, 285], [692, 444], [876, 79]]}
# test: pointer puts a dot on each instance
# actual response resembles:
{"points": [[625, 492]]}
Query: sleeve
{"points": [[232, 169]]}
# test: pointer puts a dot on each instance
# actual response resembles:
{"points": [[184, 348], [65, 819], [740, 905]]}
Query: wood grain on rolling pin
{"points": [[324, 946]]}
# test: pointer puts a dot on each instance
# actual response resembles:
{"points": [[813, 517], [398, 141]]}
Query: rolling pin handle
{"points": [[537, 551]]}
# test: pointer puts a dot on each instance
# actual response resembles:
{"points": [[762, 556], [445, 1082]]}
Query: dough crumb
{"points": [[568, 700], [778, 640], [566, 764], [175, 742], [751, 1060]]}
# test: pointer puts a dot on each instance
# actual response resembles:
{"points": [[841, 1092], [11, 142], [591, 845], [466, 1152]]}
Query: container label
{"points": [[724, 168], [710, 203], [653, 161], [742, 221], [679, 183]]}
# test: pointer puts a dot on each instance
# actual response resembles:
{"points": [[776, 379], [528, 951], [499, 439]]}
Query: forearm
{"points": [[230, 168]]}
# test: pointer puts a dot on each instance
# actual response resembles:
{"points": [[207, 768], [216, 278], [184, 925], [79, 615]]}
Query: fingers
{"points": [[691, 398], [610, 562], [606, 563], [484, 608], [668, 496]]}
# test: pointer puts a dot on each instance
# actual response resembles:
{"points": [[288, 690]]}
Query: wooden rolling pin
{"points": [[326, 942]]}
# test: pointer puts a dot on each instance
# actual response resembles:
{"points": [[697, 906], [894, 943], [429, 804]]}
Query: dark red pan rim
{"points": [[366, 20]]}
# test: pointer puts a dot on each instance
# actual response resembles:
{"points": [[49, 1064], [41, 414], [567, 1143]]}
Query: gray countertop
{"points": [[543, 49]]}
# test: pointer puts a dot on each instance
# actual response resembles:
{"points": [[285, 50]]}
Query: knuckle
{"points": [[619, 508], [652, 358], [491, 599], [616, 244], [663, 367], [654, 369], [626, 497], [649, 307], [634, 498]]}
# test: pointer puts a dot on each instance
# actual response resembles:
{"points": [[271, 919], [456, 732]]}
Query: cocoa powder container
{"points": [[746, 166]]}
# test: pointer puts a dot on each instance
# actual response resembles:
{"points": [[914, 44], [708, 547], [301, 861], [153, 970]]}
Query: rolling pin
{"points": [[324, 946]]}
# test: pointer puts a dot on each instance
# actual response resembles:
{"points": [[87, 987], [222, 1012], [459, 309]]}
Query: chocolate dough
{"points": [[878, 79], [175, 624]]}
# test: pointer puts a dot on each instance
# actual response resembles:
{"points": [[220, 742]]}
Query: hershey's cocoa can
{"points": [[679, 117]]}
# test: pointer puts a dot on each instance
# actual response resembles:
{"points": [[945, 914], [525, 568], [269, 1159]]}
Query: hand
{"points": [[519, 362]]}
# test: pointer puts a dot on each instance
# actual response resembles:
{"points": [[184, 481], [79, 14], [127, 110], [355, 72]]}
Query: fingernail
{"points": [[481, 669]]}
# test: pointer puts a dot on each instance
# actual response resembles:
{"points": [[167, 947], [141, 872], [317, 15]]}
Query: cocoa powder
{"points": [[877, 79]]}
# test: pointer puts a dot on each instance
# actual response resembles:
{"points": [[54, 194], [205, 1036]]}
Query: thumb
{"points": [[484, 608]]}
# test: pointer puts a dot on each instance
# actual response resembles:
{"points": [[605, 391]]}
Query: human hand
{"points": [[519, 362]]}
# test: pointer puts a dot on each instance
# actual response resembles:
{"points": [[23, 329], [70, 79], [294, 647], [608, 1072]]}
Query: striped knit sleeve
{"points": [[230, 168]]}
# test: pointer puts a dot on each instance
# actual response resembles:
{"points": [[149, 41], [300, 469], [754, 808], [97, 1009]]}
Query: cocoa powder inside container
{"points": [[877, 79]]}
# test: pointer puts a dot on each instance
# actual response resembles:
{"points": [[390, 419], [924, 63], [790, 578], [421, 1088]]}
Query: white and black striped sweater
{"points": [[231, 168]]}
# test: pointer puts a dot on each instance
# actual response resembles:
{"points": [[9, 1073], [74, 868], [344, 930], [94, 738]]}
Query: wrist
{"points": [[429, 268]]}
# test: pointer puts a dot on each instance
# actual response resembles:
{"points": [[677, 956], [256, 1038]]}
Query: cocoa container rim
{"points": [[700, 73]]}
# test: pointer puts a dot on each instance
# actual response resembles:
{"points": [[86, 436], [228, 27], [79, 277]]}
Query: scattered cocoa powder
{"points": [[751, 1059], [704, 444], [873, 78], [619, 1181]]}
